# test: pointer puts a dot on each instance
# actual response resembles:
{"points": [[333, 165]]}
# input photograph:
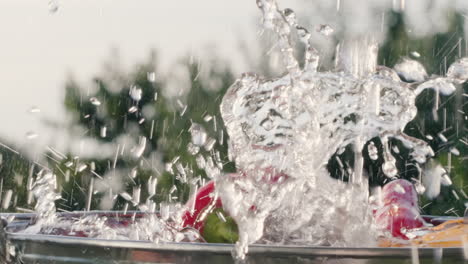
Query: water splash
{"points": [[283, 132], [44, 190]]}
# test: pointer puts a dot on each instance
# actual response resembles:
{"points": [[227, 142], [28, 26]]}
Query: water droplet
{"points": [[151, 77], [81, 167], [415, 54], [324, 29], [455, 151], [103, 132], [53, 6], [95, 101], [389, 168], [210, 142], [133, 109], [419, 188], [192, 148], [135, 93], [290, 16], [373, 152], [459, 70], [445, 180], [207, 118], [31, 135], [201, 162], [34, 110], [138, 150], [304, 34], [7, 199], [198, 134], [442, 137], [126, 196], [411, 70]]}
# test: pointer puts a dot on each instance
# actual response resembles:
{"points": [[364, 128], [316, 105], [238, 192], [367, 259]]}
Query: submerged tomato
{"points": [[400, 210], [398, 213], [397, 218], [205, 202], [399, 191]]}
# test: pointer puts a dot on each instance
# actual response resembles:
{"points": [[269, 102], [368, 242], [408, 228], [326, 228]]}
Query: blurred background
{"points": [[103, 93]]}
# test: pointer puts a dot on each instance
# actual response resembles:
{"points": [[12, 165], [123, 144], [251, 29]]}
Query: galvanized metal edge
{"points": [[271, 250]]}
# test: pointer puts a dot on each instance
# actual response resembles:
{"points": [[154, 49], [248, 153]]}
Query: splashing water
{"points": [[44, 191], [283, 132]]}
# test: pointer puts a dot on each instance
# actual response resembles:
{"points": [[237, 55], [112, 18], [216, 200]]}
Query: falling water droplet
{"points": [[53, 6], [207, 118], [95, 101], [81, 167], [138, 150], [151, 77], [133, 109], [198, 134], [210, 142], [415, 54], [324, 29], [34, 110], [459, 70], [411, 70], [6, 199], [135, 93], [126, 196], [31, 135], [389, 168], [192, 148], [445, 180], [442, 137], [455, 151], [290, 16], [373, 152], [103, 132], [304, 34]]}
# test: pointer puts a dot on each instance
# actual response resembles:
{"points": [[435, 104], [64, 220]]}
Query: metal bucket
{"points": [[18, 247]]}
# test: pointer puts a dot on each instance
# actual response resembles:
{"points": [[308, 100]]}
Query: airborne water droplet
{"points": [[290, 16], [34, 110], [151, 77], [415, 54], [135, 93], [411, 70], [373, 152], [459, 70], [133, 109], [198, 134], [389, 169], [53, 6], [103, 132], [324, 29], [31, 135], [95, 101], [455, 151]]}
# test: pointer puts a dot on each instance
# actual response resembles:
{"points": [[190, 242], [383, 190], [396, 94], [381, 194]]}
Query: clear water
{"points": [[282, 132]]}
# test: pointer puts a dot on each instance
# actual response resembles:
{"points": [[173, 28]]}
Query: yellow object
{"points": [[453, 233]]}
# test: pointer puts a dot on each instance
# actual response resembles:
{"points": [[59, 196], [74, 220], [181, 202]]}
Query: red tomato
{"points": [[397, 218], [399, 211], [204, 201], [399, 191]]}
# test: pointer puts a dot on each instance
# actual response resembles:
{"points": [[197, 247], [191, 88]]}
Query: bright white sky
{"points": [[38, 49]]}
